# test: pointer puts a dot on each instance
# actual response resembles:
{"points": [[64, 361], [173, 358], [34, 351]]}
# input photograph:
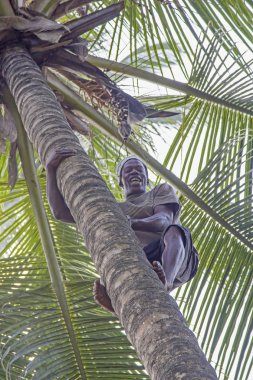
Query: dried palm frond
{"points": [[103, 93]]}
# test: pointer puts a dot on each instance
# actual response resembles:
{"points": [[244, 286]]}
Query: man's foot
{"points": [[101, 297], [58, 156], [159, 271]]}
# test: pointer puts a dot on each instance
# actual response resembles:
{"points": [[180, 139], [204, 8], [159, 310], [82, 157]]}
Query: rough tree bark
{"points": [[150, 317]]}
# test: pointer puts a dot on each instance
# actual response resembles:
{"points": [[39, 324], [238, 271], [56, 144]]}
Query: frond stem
{"points": [[166, 82]]}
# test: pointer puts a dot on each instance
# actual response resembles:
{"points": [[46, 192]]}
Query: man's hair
{"points": [[122, 163]]}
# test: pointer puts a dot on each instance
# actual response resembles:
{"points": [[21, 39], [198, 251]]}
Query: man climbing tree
{"points": [[154, 217]]}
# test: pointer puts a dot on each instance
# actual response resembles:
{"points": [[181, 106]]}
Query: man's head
{"points": [[133, 175]]}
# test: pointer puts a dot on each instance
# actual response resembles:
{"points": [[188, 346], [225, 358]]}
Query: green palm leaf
{"points": [[36, 343], [222, 283]]}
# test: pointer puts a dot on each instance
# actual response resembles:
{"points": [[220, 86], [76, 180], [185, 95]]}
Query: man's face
{"points": [[134, 177]]}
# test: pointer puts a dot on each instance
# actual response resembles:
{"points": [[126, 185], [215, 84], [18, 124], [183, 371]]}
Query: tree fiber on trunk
{"points": [[150, 317]]}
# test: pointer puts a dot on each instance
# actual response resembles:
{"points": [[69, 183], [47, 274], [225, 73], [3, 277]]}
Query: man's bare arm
{"points": [[163, 217], [57, 204]]}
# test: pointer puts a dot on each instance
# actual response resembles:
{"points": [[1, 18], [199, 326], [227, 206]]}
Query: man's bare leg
{"points": [[173, 255]]}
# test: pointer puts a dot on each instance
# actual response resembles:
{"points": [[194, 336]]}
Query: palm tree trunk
{"points": [[151, 318]]}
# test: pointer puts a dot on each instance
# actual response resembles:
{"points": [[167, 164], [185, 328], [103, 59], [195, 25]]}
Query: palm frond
{"points": [[217, 301], [36, 341], [230, 193], [206, 126], [132, 32], [215, 72], [221, 288], [237, 16]]}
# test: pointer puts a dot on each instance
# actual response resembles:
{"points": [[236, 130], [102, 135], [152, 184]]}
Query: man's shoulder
{"points": [[165, 194], [163, 188]]}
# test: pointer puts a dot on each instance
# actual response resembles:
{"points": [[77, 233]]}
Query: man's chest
{"points": [[139, 208]]}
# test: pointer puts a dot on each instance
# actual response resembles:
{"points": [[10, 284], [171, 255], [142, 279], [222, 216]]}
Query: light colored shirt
{"points": [[140, 206]]}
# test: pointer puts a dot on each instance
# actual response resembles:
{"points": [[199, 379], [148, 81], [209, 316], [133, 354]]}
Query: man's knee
{"points": [[174, 233]]}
